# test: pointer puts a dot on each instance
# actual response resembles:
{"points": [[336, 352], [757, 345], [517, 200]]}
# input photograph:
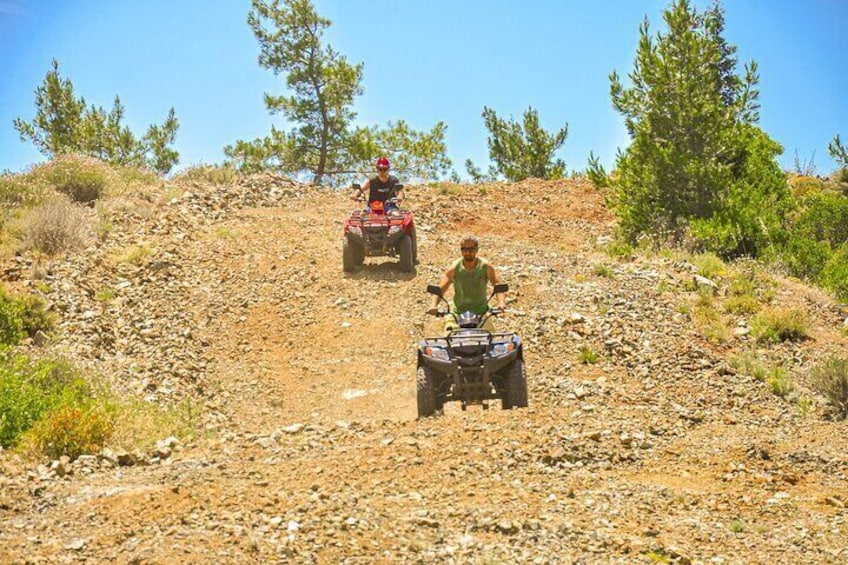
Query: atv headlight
{"points": [[499, 349], [355, 230], [436, 353], [394, 229]]}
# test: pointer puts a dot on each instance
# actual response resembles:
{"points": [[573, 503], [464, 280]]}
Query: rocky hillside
{"points": [[663, 451]]}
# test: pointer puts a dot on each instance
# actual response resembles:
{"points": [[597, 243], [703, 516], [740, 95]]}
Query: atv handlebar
{"points": [[436, 290]]}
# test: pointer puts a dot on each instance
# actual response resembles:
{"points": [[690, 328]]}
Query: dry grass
{"points": [[208, 174], [56, 226], [141, 424], [831, 379], [779, 324]]}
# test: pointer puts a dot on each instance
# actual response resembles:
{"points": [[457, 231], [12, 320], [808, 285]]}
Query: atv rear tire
{"points": [[358, 254], [426, 391], [414, 246], [407, 264], [348, 256], [515, 395]]}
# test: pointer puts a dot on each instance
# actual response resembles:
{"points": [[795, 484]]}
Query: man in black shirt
{"points": [[382, 186]]}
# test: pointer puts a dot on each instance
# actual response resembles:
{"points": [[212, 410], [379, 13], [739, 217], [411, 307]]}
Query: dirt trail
{"points": [[658, 453]]}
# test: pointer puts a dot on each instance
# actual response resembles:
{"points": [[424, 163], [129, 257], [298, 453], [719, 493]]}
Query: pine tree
{"points": [[63, 124], [521, 150], [323, 143], [697, 163]]}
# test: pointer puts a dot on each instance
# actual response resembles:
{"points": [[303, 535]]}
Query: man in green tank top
{"points": [[470, 277]]}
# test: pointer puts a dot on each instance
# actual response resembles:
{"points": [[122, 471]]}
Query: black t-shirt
{"points": [[382, 191]]}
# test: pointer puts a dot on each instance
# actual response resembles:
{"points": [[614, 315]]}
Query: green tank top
{"points": [[470, 287]]}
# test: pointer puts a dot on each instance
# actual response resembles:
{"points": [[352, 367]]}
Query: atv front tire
{"points": [[426, 391], [515, 395], [348, 256], [406, 257]]}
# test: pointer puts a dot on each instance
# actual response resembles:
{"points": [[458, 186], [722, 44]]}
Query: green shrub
{"points": [[741, 304], [822, 217], [805, 258], [776, 325], [619, 249], [19, 190], [830, 378], [709, 265], [71, 431], [779, 380], [708, 320], [716, 331], [817, 244], [82, 179], [805, 186], [748, 217], [588, 356], [11, 324], [22, 316], [738, 526], [29, 390], [105, 294], [749, 363], [48, 409], [58, 225], [742, 298], [34, 315], [751, 282], [835, 273], [742, 286], [134, 255], [603, 271]]}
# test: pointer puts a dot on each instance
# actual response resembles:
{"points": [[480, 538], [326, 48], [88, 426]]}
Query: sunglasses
{"points": [[468, 249], [382, 169]]}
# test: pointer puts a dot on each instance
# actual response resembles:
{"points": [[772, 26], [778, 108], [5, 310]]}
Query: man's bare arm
{"points": [[447, 280], [496, 279]]}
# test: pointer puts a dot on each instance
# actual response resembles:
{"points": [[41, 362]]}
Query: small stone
{"points": [[428, 522], [833, 501], [76, 544], [125, 459], [293, 428], [704, 282], [109, 456], [507, 527], [594, 436]]}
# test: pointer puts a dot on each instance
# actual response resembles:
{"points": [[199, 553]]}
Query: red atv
{"points": [[379, 230]]}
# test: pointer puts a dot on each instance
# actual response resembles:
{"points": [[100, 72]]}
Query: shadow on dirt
{"points": [[385, 271]]}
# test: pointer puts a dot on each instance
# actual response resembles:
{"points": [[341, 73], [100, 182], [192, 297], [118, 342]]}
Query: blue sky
{"points": [[425, 61]]}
